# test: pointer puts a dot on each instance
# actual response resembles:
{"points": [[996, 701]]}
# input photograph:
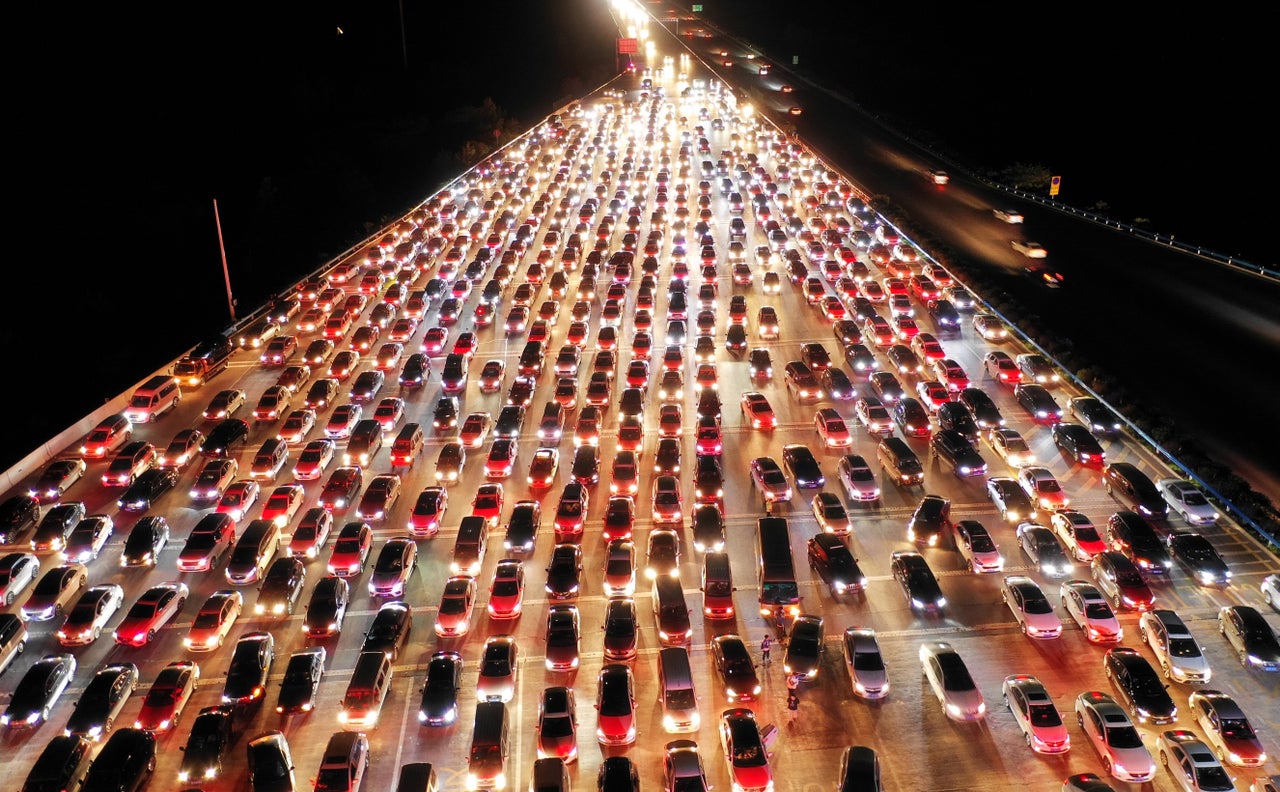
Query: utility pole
{"points": [[226, 274], [404, 49]]}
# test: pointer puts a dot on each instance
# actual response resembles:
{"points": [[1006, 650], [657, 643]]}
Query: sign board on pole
{"points": [[627, 46], [795, 60], [697, 8], [1054, 183]]}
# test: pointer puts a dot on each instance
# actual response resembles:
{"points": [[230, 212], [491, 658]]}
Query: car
{"points": [[830, 513], [54, 591], [1032, 250], [1134, 537], [1250, 636], [864, 663], [168, 696], [389, 413], [246, 678], [207, 745], [327, 608], [954, 446], [273, 403], [1188, 500], [1139, 686], [1079, 444], [415, 372], [662, 554], [1120, 580], [757, 409], [1180, 656], [499, 660], [224, 404], [1094, 415], [1077, 533], [1199, 557], [564, 571], [804, 646], [586, 465], [380, 497], [342, 420], [1040, 545], [918, 583], [831, 558], [982, 406], [314, 459], [86, 540], [389, 633], [281, 586], [17, 572], [214, 620], [1089, 609], [1114, 737], [768, 477], [873, 415], [1013, 503], [297, 425], [457, 603], [933, 394], [1031, 608], [439, 705], [1191, 762], [342, 487], [832, 429], [571, 511], [53, 529], [321, 394], [1033, 710], [951, 374], [562, 637], [283, 504], [1010, 446], [1043, 488], [393, 570], [351, 549], [1228, 729], [886, 387], [445, 414], [506, 593], [61, 474], [1126, 482], [949, 678], [976, 546], [1037, 370], [34, 696]]}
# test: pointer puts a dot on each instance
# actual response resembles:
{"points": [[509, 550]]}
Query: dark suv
{"points": [[1128, 483], [832, 560], [1130, 534], [958, 451], [930, 521]]}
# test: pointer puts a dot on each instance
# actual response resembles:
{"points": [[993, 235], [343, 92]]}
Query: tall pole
{"points": [[404, 49], [226, 274]]}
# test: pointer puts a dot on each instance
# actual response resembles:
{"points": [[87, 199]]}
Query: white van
{"points": [[153, 398]]}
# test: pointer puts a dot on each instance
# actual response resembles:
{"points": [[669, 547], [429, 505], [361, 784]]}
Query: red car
{"points": [[571, 512], [428, 511], [168, 696], [757, 410], [506, 594], [488, 502], [710, 438], [619, 518], [502, 458]]}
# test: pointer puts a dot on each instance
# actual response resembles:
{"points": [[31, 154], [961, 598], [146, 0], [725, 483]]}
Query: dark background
{"points": [[130, 120]]}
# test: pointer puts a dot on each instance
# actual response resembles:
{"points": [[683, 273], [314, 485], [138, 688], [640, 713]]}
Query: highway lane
{"points": [[1142, 312], [905, 727]]}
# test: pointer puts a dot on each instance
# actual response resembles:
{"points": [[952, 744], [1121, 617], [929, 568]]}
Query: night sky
{"points": [[130, 120]]}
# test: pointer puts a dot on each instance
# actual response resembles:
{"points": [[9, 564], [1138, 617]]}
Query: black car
{"points": [[831, 558], [145, 541], [1094, 415], [61, 765], [18, 515], [1132, 535], [955, 415], [708, 477], [911, 416], [1126, 481], [956, 448], [445, 415], [523, 526], [1078, 442], [301, 681], [250, 666], [100, 703], [416, 371], [737, 670], [804, 646], [803, 466], [270, 763], [510, 420], [919, 585], [930, 521], [124, 764], [229, 435], [1038, 401], [390, 630], [860, 358], [944, 315], [38, 691], [327, 607], [54, 528], [281, 586], [618, 774], [440, 693], [586, 464], [708, 404], [815, 355], [735, 339], [620, 629], [983, 408], [1199, 557], [453, 376], [564, 571], [887, 387], [149, 485], [666, 460], [1140, 687], [206, 746], [1250, 636], [707, 527]]}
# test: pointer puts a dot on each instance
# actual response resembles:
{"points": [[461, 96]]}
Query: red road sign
{"points": [[628, 46]]}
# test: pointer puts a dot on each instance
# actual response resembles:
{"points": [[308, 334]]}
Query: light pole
{"points": [[226, 274]]}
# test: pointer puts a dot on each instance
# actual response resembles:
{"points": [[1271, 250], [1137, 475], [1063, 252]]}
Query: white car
{"points": [[1186, 499], [1179, 653], [1011, 446], [858, 479], [1041, 547], [1007, 215], [867, 674], [976, 547], [1191, 762], [1091, 612], [1030, 607], [1043, 488], [1033, 709], [949, 677], [17, 571], [1033, 250], [498, 663], [938, 176], [1078, 534], [1271, 591], [1114, 737], [89, 616]]}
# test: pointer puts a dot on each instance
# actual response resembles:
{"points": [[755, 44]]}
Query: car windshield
{"points": [[1212, 777], [1037, 604], [1098, 610], [1129, 577], [206, 619], [495, 666], [453, 606], [620, 626], [1236, 729], [570, 507], [504, 587], [955, 676], [1044, 715], [868, 661], [1123, 737], [1183, 647], [266, 762]]}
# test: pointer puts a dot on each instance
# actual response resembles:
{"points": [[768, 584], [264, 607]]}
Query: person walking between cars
{"points": [[793, 696], [766, 643]]}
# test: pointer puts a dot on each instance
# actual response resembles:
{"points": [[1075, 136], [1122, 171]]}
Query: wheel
{"points": [[1222, 627], [8, 599], [1106, 765], [1164, 759], [1266, 597], [1026, 737], [97, 633], [151, 634], [57, 609], [1107, 485], [1244, 658], [1079, 720]]}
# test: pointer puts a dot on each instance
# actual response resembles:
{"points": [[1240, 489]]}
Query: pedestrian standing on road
{"points": [[766, 643]]}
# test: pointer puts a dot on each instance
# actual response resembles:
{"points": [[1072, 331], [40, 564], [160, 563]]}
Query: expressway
{"points": [[906, 727], [1142, 312]]}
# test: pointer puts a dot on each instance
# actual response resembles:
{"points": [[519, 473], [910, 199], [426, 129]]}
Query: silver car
{"points": [[867, 673], [949, 677]]}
